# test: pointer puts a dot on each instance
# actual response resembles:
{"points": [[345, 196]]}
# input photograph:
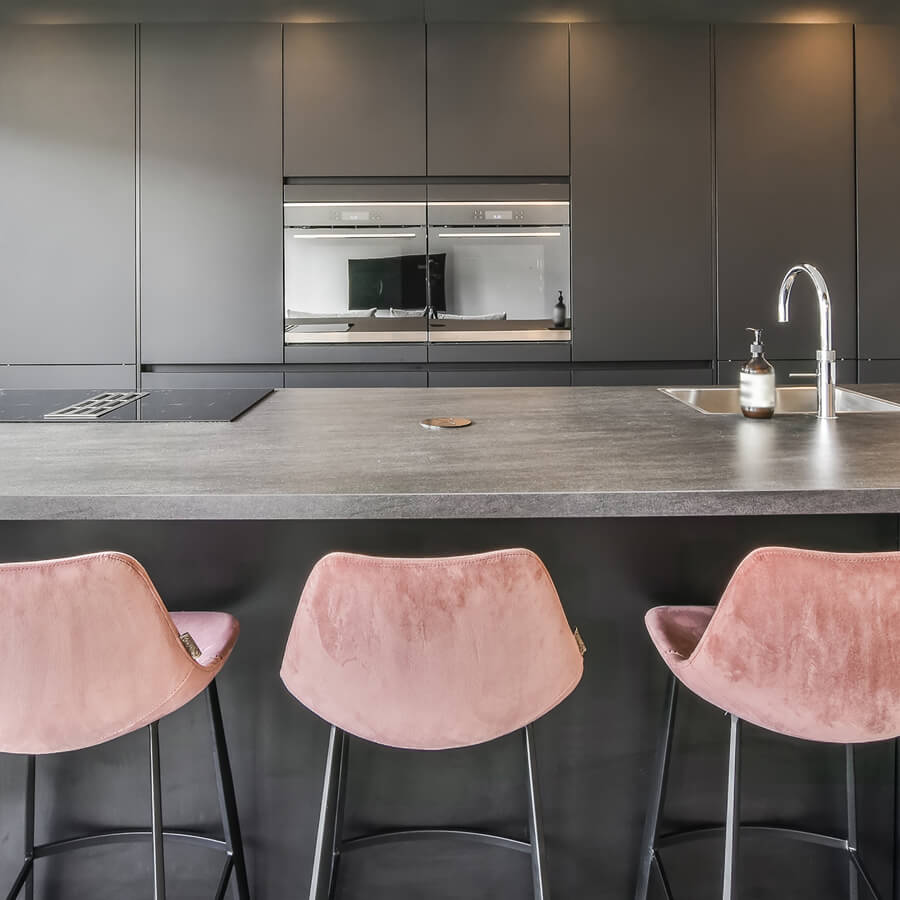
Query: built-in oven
{"points": [[406, 263], [500, 254], [356, 264]]}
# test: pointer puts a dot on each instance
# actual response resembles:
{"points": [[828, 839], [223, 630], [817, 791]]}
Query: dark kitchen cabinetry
{"points": [[211, 194], [233, 378], [729, 371], [354, 100], [878, 188], [500, 376], [359, 376], [67, 220], [625, 375], [879, 371], [104, 378], [785, 182], [642, 194], [498, 100]]}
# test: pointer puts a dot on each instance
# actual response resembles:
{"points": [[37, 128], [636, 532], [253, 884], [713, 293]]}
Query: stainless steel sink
{"points": [[788, 401]]}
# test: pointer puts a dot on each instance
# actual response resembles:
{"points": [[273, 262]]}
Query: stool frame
{"points": [[330, 843], [156, 835], [652, 841]]}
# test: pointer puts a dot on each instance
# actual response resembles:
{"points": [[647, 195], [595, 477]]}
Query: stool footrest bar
{"points": [[796, 834], [419, 834], [121, 837]]}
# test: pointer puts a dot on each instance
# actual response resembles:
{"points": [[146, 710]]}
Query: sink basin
{"points": [[788, 401]]}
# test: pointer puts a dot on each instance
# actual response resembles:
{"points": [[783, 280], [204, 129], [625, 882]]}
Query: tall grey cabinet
{"points": [[67, 208], [498, 100], [354, 100], [642, 194], [211, 189], [878, 198], [785, 179]]}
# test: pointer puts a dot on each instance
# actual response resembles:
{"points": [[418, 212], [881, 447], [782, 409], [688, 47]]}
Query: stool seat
{"points": [[676, 630], [89, 652], [214, 633], [803, 643]]}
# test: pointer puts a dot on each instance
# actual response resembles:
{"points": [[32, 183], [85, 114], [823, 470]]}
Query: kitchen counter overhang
{"points": [[531, 452]]}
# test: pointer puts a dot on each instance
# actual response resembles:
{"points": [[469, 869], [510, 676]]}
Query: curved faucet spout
{"points": [[824, 298], [825, 356]]}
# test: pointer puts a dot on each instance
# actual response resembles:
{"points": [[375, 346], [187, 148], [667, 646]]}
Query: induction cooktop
{"points": [[202, 405]]}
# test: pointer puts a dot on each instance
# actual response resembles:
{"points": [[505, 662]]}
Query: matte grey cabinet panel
{"points": [[538, 376], [358, 377], [498, 99], [511, 352], [642, 193], [637, 375], [729, 371], [67, 220], [340, 354], [105, 378], [252, 379], [354, 100], [878, 188], [879, 371], [211, 188], [785, 178]]}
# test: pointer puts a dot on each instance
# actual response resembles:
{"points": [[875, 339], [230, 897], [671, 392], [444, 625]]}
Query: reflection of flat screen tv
{"points": [[396, 282]]}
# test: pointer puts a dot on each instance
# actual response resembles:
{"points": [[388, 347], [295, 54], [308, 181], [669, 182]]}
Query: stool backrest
{"points": [[431, 653], [810, 642], [87, 652]]}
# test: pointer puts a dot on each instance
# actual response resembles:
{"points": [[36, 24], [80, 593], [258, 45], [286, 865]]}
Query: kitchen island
{"points": [[631, 498]]}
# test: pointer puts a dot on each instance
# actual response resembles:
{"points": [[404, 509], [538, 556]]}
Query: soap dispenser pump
{"points": [[757, 392]]}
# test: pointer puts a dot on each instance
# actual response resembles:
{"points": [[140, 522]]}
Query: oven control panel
{"points": [[499, 215]]}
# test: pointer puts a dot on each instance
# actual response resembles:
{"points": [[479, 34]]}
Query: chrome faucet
{"points": [[825, 355]]}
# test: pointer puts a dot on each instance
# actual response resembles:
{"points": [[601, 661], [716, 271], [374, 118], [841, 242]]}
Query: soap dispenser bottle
{"points": [[757, 393], [559, 312]]}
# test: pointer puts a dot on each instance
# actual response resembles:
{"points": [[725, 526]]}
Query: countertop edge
{"points": [[626, 504]]}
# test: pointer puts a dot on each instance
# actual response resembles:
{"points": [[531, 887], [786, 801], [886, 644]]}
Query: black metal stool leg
{"points": [[159, 869], [234, 844], [657, 796], [29, 825], [853, 890], [733, 812], [535, 822], [340, 802], [327, 836]]}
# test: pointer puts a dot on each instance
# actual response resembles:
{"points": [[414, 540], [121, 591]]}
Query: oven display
{"points": [[498, 215]]}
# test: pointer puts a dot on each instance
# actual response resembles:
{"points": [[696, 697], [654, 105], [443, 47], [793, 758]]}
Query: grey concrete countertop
{"points": [[532, 452]]}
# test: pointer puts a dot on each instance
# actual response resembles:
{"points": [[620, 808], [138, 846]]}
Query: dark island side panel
{"points": [[594, 750]]}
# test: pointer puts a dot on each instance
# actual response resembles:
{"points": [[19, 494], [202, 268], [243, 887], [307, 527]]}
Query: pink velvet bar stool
{"points": [[428, 654], [803, 643], [88, 652]]}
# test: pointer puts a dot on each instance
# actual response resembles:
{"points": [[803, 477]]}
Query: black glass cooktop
{"points": [[205, 405]]}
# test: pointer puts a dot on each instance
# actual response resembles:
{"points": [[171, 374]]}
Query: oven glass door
{"points": [[349, 277], [498, 282]]}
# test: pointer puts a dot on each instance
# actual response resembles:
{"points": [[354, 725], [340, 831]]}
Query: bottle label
{"points": [[757, 390]]}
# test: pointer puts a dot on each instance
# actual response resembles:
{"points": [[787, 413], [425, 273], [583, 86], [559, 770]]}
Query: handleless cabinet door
{"points": [[67, 220], [785, 183], [211, 194], [354, 100], [878, 165], [498, 99], [641, 194]]}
